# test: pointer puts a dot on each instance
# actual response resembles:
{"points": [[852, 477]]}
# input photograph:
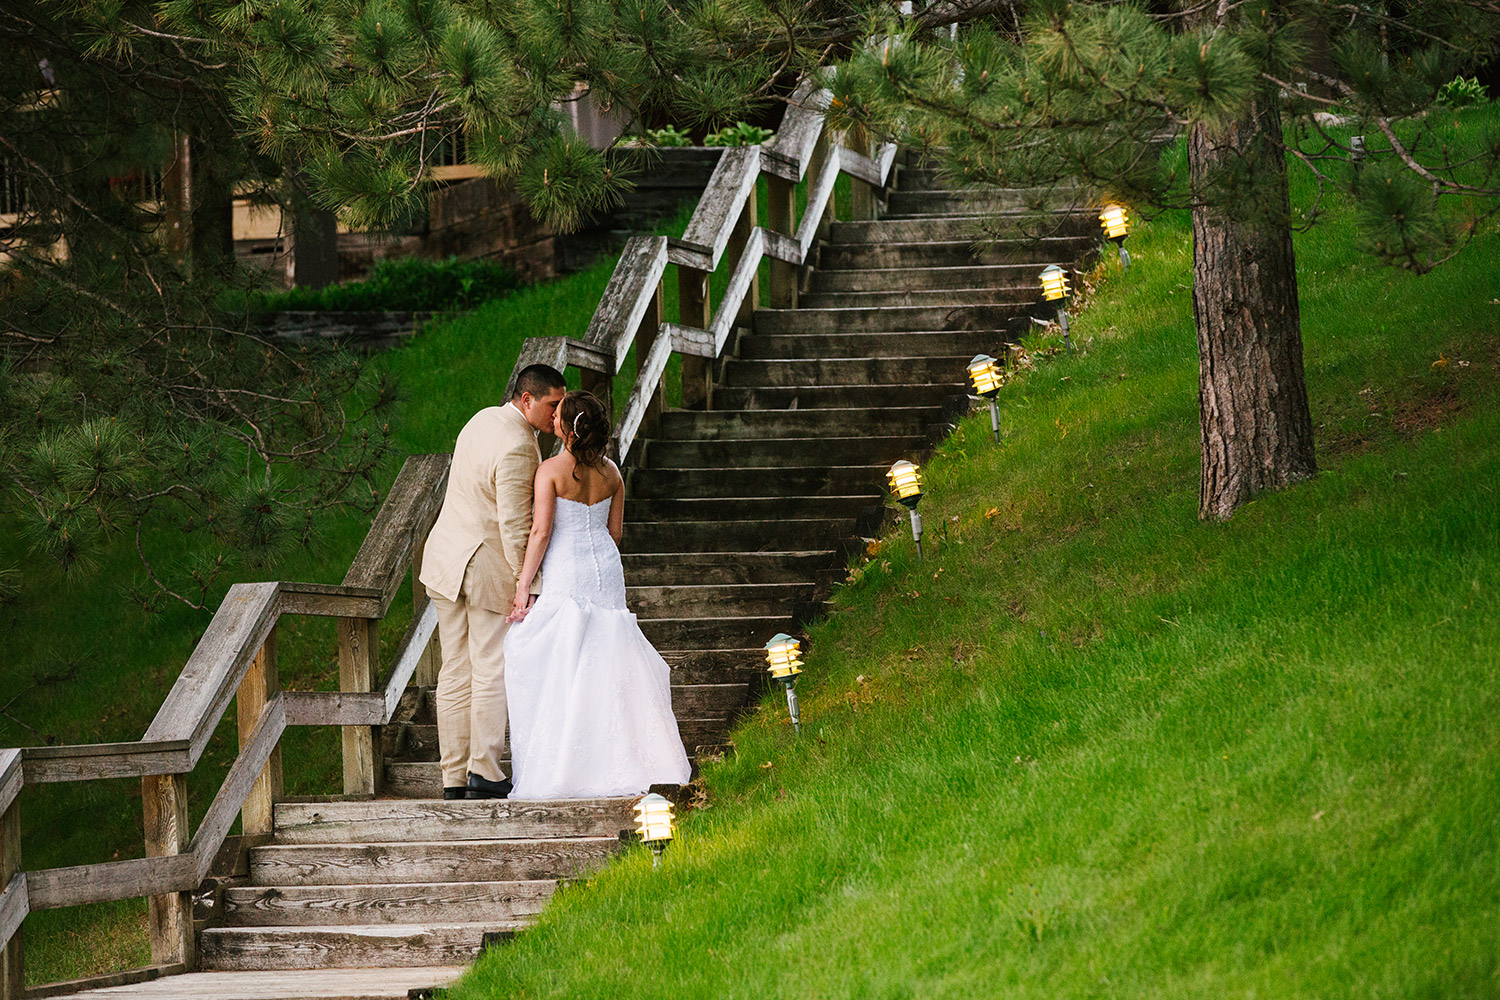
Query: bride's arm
{"points": [[617, 508], [543, 510]]}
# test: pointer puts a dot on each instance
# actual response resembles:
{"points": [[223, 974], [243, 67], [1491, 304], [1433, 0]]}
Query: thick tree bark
{"points": [[1252, 394]]}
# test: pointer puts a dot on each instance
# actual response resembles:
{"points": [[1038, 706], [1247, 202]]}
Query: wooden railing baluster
{"points": [[262, 683], [359, 649], [694, 308], [13, 904], [164, 806], [781, 215]]}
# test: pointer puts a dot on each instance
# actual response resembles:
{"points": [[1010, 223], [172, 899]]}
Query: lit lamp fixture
{"points": [[1055, 289], [653, 820], [1116, 227], [984, 374], [906, 483], [784, 661]]}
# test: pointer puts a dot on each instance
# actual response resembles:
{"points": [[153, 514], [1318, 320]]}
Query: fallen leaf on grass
{"points": [[1441, 362], [992, 513]]}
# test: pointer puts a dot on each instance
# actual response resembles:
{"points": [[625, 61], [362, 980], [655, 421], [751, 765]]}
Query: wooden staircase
{"points": [[741, 515]]}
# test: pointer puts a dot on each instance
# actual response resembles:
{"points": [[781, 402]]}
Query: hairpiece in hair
{"points": [[576, 417]]}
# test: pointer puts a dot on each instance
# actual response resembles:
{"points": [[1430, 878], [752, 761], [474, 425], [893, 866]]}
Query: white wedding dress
{"points": [[590, 699]]}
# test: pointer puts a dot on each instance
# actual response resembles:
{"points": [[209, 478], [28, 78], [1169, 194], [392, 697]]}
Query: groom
{"points": [[470, 567]]}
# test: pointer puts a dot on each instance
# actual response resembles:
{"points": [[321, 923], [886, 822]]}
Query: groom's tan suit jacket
{"points": [[478, 545]]}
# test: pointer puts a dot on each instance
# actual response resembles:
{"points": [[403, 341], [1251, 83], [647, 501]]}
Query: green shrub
{"points": [[408, 283], [740, 134], [668, 136], [1460, 92]]}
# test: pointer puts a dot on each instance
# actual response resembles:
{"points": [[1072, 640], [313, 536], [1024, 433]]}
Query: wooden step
{"points": [[498, 903], [1021, 277], [846, 371], [751, 508], [806, 481], [924, 228], [739, 536], [984, 200], [901, 344], [1014, 296], [703, 568], [898, 319], [397, 821], [316, 984], [726, 425], [684, 600], [739, 632], [429, 861], [780, 397], [352, 946], [423, 779], [746, 667], [956, 253]]}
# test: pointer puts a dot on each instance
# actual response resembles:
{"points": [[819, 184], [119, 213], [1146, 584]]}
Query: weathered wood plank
{"points": [[51, 888], [331, 984], [216, 666], [446, 861], [169, 920], [723, 200], [631, 289], [261, 685], [405, 820], [648, 377], [694, 308], [690, 340], [407, 513], [801, 125], [418, 635], [781, 213], [359, 649], [328, 601], [14, 905], [427, 664], [11, 777], [781, 248], [255, 753], [819, 196], [741, 284], [350, 946], [16, 902], [335, 708], [106, 760], [332, 905], [129, 977]]}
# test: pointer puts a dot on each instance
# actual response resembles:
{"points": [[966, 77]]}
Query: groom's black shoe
{"points": [[483, 788], [457, 792]]}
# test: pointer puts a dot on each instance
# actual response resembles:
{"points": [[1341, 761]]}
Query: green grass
{"points": [[82, 664], [1093, 748]]}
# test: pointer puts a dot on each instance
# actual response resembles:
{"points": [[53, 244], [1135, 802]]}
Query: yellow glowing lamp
{"points": [[1054, 283], [1116, 224], [653, 819], [906, 482], [784, 656], [984, 373]]}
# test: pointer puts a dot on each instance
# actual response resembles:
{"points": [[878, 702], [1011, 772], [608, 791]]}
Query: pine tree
{"points": [[1057, 90]]}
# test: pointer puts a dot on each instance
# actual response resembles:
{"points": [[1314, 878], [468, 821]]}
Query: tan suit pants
{"points": [[471, 713]]}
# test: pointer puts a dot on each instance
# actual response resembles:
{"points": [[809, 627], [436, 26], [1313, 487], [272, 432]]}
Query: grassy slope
{"points": [[1092, 747]]}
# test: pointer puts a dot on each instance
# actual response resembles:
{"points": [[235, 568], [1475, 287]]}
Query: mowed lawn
{"points": [[1092, 747]]}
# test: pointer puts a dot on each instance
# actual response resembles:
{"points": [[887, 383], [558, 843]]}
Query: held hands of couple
{"points": [[520, 606]]}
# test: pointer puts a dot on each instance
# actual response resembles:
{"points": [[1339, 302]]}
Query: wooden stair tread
{"points": [[312, 984]]}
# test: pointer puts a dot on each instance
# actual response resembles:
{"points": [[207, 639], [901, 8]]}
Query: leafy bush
{"points": [[1460, 92], [408, 283], [668, 136], [740, 134]]}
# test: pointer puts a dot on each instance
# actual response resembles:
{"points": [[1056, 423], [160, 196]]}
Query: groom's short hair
{"points": [[538, 380]]}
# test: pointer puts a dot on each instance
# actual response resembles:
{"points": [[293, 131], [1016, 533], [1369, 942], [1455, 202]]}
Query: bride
{"points": [[590, 698]]}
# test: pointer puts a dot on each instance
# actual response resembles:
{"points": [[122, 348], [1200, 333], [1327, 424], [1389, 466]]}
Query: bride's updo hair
{"points": [[583, 418]]}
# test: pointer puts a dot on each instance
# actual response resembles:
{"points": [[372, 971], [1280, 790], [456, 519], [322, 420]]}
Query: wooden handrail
{"points": [[239, 635]]}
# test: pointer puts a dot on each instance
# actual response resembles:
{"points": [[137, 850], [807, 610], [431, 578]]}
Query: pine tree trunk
{"points": [[1252, 393]]}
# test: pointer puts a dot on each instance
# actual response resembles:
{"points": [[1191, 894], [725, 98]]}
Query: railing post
{"points": [[262, 683], [426, 674], [603, 388], [743, 227], [862, 193], [359, 646], [645, 339], [12, 975], [164, 808], [695, 309], [781, 217]]}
